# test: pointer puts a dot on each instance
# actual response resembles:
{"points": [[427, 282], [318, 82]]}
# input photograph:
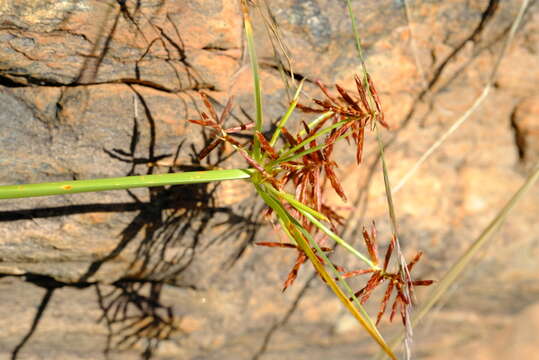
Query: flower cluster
{"points": [[395, 280], [304, 163]]}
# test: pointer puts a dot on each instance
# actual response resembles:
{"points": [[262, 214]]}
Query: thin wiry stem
{"points": [[472, 108], [456, 271], [403, 269], [413, 44], [442, 139]]}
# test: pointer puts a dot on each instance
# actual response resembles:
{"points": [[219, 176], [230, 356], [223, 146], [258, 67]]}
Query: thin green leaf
{"points": [[292, 200], [312, 216], [313, 123], [304, 241], [256, 77], [286, 116], [336, 238], [359, 49], [120, 183], [313, 137]]}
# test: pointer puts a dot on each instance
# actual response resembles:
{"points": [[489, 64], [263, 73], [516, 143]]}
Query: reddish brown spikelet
{"points": [[276, 244], [335, 184], [371, 246], [226, 111], [356, 273], [326, 249], [401, 295], [360, 142], [348, 98], [211, 123], [294, 272], [361, 92], [373, 282], [332, 215], [215, 123], [326, 104], [205, 152], [317, 127], [326, 92], [209, 106], [308, 109], [422, 282], [288, 137], [414, 260], [339, 269], [385, 300], [206, 117], [394, 309], [230, 140], [389, 251], [266, 146], [335, 134], [377, 102], [306, 127]]}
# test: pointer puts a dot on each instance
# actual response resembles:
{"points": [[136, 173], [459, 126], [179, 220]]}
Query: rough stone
{"points": [[97, 88], [524, 120]]}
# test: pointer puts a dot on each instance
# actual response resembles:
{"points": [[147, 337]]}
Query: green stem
{"points": [[120, 183], [284, 119], [311, 215], [256, 77], [311, 138]]}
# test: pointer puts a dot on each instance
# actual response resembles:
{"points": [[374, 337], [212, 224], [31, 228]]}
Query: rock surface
{"points": [[98, 88]]}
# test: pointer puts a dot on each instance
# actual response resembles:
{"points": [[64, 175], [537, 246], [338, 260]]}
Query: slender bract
{"points": [[304, 240], [286, 116], [120, 183]]}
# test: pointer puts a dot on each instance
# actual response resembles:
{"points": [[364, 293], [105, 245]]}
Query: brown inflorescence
{"points": [[306, 164], [395, 280]]}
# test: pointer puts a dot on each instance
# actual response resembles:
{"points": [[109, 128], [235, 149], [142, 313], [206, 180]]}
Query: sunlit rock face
{"points": [[92, 89]]}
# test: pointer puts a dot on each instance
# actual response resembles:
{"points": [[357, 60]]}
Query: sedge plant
{"points": [[289, 171]]}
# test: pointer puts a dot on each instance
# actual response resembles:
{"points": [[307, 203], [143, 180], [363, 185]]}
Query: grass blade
{"points": [[331, 234], [289, 111], [292, 200], [357, 38], [256, 77], [120, 183]]}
